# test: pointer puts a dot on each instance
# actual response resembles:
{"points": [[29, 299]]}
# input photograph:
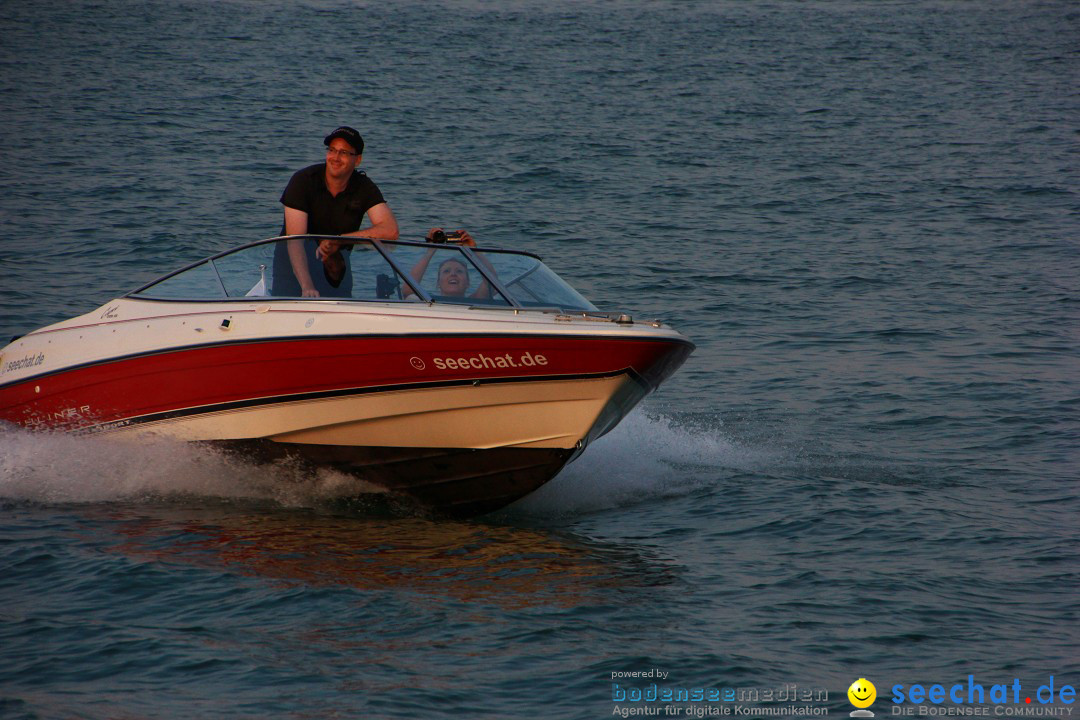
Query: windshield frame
{"points": [[387, 255]]}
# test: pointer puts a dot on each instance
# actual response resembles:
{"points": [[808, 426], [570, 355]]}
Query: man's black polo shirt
{"points": [[329, 215]]}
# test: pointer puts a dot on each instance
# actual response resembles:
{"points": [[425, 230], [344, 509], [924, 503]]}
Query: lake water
{"points": [[865, 214]]}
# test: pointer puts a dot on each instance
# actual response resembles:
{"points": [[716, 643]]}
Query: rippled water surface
{"points": [[863, 213]]}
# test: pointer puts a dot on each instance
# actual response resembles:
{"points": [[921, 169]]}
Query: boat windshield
{"points": [[369, 270], [531, 283]]}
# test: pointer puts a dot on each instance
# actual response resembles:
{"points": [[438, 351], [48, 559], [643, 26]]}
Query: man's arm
{"points": [[383, 227], [296, 222], [383, 224]]}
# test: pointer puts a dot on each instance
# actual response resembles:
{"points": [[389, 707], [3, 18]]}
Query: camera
{"points": [[440, 237]]}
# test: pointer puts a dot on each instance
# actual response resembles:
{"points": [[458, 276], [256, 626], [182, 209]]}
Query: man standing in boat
{"points": [[330, 198]]}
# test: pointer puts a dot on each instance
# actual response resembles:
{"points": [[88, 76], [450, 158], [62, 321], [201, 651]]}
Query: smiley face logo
{"points": [[417, 363], [862, 693]]}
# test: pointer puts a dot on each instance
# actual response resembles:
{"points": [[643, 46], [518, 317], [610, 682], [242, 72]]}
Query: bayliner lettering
{"points": [[60, 418], [481, 362]]}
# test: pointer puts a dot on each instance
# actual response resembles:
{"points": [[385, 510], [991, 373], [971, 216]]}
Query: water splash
{"points": [[647, 456], [60, 468]]}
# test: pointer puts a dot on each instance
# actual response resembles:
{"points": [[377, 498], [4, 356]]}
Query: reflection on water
{"points": [[465, 561]]}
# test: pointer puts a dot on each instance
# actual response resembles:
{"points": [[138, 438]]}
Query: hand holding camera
{"points": [[439, 236], [460, 237]]}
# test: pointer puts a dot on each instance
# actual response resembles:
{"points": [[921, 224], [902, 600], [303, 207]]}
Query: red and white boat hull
{"points": [[466, 411]]}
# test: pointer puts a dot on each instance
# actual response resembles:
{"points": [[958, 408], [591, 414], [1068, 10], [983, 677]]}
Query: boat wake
{"points": [[59, 468], [647, 456]]}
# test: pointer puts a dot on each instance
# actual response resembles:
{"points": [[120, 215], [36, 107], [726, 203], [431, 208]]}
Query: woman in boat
{"points": [[453, 276]]}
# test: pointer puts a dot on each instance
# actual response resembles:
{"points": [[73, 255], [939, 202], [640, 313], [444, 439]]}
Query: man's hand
{"points": [[327, 248]]}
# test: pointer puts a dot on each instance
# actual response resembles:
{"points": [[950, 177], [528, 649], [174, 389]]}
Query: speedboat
{"points": [[463, 397]]}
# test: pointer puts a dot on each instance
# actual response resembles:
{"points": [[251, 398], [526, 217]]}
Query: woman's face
{"points": [[453, 279]]}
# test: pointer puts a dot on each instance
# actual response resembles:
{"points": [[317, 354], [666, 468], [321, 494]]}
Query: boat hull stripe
{"points": [[347, 392]]}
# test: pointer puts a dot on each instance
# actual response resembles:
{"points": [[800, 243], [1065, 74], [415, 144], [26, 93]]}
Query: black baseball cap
{"points": [[348, 135]]}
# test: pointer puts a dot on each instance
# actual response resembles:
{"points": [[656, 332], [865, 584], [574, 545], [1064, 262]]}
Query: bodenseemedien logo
{"points": [[862, 694]]}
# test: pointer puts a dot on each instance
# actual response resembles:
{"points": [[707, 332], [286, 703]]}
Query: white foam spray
{"points": [[60, 468], [646, 456]]}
